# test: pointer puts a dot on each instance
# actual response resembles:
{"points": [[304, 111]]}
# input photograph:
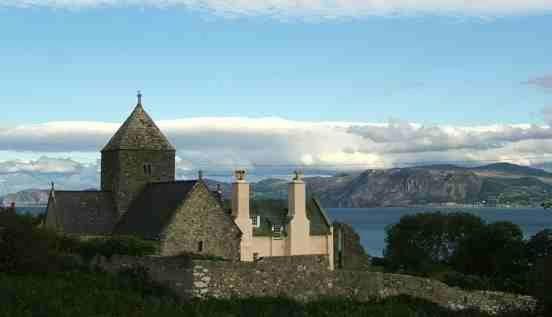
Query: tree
{"points": [[540, 245], [423, 241], [547, 204], [495, 250]]}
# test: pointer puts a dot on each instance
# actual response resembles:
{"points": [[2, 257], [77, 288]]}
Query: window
{"points": [[147, 169], [200, 246], [256, 221], [277, 231]]}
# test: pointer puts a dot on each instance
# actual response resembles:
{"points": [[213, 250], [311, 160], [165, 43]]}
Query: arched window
{"points": [[147, 169], [200, 246]]}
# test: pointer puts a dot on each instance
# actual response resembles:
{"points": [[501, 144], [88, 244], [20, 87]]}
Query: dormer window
{"points": [[277, 231], [147, 169], [256, 221]]}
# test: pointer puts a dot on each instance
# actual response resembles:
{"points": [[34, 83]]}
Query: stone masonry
{"points": [[123, 173], [201, 220], [304, 278]]}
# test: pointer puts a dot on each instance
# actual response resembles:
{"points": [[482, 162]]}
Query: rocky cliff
{"points": [[491, 184]]}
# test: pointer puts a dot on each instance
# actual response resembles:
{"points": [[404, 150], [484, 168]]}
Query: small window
{"points": [[256, 221], [147, 169], [200, 246], [277, 231]]}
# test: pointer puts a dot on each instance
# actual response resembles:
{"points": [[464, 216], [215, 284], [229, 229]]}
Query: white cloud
{"points": [[42, 165], [224, 143], [312, 8], [67, 152]]}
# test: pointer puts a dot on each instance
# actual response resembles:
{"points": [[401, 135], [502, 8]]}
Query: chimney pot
{"points": [[240, 175], [298, 175]]}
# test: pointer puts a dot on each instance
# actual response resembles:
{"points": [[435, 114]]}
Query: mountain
{"points": [[511, 170], [502, 184]]}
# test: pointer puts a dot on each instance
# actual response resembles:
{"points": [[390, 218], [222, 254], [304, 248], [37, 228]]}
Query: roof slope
{"points": [[154, 208], [83, 212], [139, 132]]}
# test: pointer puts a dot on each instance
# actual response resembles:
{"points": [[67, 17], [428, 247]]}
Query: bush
{"points": [[422, 241], [539, 246], [464, 281], [109, 246], [496, 250], [543, 283], [100, 294], [23, 248], [461, 250], [26, 248]]}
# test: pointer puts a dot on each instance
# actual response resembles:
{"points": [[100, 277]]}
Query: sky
{"points": [[239, 83]]}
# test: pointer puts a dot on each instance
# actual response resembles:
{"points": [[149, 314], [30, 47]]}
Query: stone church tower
{"points": [[136, 155]]}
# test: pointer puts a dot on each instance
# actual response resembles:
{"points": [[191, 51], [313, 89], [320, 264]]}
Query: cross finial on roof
{"points": [[139, 96]]}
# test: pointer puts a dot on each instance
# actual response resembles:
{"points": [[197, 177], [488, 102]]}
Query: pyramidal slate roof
{"points": [[139, 132]]}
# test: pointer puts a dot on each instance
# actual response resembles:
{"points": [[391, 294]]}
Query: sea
{"points": [[370, 223]]}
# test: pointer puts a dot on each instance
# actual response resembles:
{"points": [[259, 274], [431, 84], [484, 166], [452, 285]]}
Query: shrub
{"points": [[109, 246], [419, 242], [540, 245], [464, 281], [495, 250], [23, 248], [543, 283]]}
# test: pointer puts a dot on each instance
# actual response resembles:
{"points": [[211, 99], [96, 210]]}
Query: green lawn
{"points": [[84, 294]]}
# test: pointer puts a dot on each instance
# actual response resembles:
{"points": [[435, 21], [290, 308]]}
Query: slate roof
{"points": [[83, 212], [153, 208], [274, 212], [139, 132]]}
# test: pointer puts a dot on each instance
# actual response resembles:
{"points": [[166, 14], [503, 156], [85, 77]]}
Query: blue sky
{"points": [[86, 65], [237, 83]]}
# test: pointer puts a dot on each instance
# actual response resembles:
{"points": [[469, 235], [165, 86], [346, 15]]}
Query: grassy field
{"points": [[100, 294]]}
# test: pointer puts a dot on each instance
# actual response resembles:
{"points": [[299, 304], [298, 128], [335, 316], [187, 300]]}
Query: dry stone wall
{"points": [[304, 278]]}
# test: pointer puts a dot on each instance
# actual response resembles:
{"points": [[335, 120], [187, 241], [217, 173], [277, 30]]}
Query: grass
{"points": [[101, 294]]}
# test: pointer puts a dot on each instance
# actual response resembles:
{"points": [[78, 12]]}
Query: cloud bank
{"points": [[310, 8], [233, 142], [68, 152]]}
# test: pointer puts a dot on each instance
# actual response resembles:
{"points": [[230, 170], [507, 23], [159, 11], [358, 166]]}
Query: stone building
{"points": [[139, 196]]}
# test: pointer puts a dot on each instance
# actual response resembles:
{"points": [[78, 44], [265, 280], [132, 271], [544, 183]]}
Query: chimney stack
{"points": [[299, 226], [240, 212], [240, 195]]}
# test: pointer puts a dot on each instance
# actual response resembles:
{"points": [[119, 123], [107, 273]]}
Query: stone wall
{"points": [[123, 173], [348, 251], [201, 226], [304, 278]]}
